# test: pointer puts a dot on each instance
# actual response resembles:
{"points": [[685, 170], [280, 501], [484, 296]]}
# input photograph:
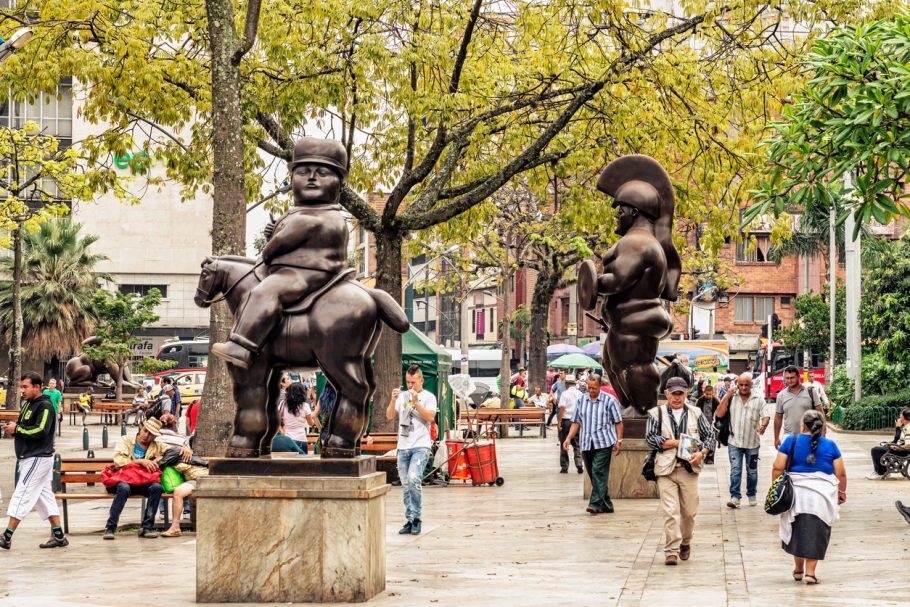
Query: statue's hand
{"points": [[268, 229]]}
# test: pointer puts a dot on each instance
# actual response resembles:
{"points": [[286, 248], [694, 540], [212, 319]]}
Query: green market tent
{"points": [[436, 365]]}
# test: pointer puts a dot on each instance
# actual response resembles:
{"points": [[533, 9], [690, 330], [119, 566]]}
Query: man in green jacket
{"points": [[33, 434]]}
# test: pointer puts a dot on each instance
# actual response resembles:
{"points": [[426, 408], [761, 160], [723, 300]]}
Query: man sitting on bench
{"points": [[900, 444], [143, 450]]}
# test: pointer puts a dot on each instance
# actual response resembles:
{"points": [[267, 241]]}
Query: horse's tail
{"points": [[389, 311]]}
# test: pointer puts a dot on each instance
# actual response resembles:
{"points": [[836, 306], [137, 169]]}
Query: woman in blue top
{"points": [[819, 486]]}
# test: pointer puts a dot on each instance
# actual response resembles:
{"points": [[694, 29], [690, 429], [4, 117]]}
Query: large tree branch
{"points": [[411, 178], [360, 209], [249, 31], [274, 150], [276, 132]]}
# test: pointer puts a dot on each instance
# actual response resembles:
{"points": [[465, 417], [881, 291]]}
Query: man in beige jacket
{"points": [[677, 477], [139, 449]]}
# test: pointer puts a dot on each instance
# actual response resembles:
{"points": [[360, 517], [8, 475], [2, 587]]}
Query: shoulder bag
{"points": [[780, 495], [647, 468]]}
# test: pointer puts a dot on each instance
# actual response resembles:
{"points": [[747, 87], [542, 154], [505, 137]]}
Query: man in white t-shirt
{"points": [[415, 410], [567, 404]]}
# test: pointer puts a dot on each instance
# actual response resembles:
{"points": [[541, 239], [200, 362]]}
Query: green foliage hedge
{"points": [[875, 412]]}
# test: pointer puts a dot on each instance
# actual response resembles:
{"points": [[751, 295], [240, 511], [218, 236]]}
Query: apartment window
{"points": [[54, 115], [491, 317], [744, 311], [143, 290], [764, 307], [746, 253], [784, 302]]}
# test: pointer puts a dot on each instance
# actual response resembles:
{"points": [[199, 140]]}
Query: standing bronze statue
{"points": [[296, 307], [640, 272]]}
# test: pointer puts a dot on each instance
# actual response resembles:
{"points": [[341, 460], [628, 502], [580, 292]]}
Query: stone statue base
{"points": [[626, 480], [290, 530]]}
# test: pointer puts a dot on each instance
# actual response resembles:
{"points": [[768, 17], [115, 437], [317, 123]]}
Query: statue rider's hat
{"points": [[325, 152]]}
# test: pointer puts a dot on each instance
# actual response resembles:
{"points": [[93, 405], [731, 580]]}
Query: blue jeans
{"points": [[123, 491], [737, 456], [411, 463]]}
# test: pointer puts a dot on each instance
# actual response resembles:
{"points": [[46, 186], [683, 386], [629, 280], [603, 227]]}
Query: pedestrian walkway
{"points": [[527, 543]]}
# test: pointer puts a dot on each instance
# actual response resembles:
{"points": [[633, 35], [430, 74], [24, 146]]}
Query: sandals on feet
{"points": [[811, 580], [172, 533], [798, 575]]}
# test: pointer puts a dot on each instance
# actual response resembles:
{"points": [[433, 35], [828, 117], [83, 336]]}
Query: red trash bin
{"points": [[458, 464], [482, 463]]}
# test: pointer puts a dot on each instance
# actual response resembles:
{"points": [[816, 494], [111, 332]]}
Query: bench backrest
{"points": [[83, 470]]}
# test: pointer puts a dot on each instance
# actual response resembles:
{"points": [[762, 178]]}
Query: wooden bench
{"points": [[488, 418], [12, 416], [83, 471], [110, 412]]}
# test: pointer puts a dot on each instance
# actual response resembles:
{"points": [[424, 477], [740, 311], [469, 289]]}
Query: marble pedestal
{"points": [[626, 480], [290, 539]]}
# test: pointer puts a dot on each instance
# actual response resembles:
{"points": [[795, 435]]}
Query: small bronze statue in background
{"points": [[640, 272], [297, 307]]}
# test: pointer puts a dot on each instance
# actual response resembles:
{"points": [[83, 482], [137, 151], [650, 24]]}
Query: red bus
{"points": [[770, 383]]}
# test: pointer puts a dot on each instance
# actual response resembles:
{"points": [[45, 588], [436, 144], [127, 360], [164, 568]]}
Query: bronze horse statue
{"points": [[326, 335]]}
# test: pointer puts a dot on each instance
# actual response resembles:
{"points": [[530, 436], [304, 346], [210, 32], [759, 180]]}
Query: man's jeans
{"points": [[411, 463], [737, 456], [123, 491]]}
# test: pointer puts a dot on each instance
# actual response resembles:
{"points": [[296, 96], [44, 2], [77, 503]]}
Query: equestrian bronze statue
{"points": [[640, 272], [295, 306]]}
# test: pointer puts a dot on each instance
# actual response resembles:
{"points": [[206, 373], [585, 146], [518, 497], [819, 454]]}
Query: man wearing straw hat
{"points": [[140, 449]]}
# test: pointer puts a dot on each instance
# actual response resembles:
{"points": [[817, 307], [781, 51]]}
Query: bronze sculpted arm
{"points": [[621, 271], [285, 241]]}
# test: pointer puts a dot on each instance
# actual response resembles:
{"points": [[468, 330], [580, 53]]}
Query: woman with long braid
{"points": [[820, 486]]}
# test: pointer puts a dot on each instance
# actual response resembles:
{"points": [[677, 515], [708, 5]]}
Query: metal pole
{"points": [[854, 287]]}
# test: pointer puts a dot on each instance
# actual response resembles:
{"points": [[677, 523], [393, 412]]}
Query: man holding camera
{"points": [[416, 410]]}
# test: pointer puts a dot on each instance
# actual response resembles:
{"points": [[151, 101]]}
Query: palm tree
{"points": [[811, 237], [58, 283]]}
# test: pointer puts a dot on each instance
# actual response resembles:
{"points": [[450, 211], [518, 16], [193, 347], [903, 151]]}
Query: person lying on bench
{"points": [[140, 449], [900, 444]]}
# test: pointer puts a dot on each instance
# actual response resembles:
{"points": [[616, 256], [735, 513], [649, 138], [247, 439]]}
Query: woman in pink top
{"points": [[297, 414]]}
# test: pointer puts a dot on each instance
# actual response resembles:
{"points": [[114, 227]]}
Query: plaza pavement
{"points": [[527, 543]]}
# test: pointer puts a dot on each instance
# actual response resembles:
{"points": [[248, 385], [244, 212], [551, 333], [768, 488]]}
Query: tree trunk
{"points": [[388, 351], [547, 281], [119, 381], [505, 366], [216, 415], [15, 348]]}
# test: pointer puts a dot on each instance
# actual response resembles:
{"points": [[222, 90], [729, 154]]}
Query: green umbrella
{"points": [[575, 361]]}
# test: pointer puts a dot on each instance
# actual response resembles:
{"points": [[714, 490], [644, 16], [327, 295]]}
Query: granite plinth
{"points": [[626, 480], [291, 465], [300, 539]]}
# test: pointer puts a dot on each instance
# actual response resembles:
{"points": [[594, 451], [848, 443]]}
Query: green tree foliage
{"points": [[59, 281], [885, 313], [440, 104], [151, 365], [37, 174], [120, 315], [811, 328], [853, 116]]}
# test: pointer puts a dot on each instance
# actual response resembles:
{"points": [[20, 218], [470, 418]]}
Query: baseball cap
{"points": [[677, 384]]}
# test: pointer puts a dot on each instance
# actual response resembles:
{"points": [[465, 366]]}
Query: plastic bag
{"points": [[170, 479]]}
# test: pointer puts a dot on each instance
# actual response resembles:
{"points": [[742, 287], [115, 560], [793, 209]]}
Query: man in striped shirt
{"points": [[749, 418], [599, 419]]}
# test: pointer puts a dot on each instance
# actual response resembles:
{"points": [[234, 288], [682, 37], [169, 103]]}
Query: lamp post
{"points": [[19, 39]]}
